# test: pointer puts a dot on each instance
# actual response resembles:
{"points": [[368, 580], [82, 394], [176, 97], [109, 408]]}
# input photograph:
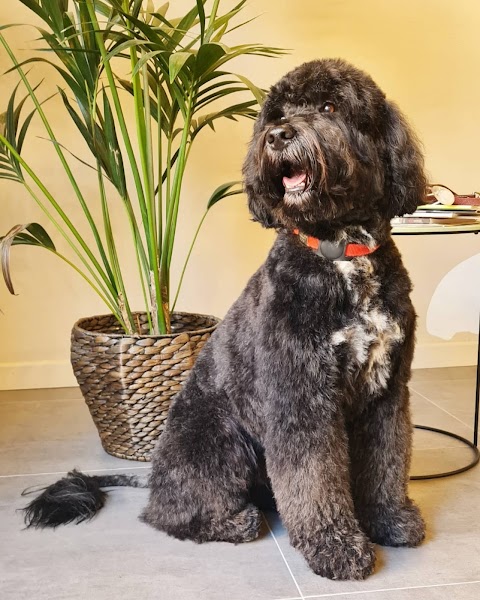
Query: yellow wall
{"points": [[424, 54]]}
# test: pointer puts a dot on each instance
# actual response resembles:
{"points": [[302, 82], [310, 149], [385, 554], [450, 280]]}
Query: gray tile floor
{"points": [[46, 432]]}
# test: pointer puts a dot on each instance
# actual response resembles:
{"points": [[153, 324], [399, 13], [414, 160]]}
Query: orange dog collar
{"points": [[334, 250]]}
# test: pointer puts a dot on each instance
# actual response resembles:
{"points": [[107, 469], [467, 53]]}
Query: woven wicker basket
{"points": [[128, 381]]}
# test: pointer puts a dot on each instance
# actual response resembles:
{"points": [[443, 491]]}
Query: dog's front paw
{"points": [[388, 526], [244, 526], [343, 555]]}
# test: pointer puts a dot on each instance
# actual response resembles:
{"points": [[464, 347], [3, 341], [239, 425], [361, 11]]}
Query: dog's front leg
{"points": [[380, 447], [307, 462]]}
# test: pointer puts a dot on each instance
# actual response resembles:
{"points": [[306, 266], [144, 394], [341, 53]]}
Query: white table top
{"points": [[434, 229]]}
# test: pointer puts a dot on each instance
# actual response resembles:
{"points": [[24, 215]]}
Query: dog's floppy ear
{"points": [[405, 181]]}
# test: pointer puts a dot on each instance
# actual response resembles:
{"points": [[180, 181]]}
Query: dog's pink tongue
{"points": [[291, 182]]}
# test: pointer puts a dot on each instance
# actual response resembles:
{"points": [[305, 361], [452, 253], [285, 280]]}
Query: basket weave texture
{"points": [[128, 381]]}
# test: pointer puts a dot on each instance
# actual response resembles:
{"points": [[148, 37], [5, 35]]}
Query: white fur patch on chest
{"points": [[373, 332]]}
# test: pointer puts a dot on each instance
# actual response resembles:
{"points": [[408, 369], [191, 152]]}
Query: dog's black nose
{"points": [[278, 137]]}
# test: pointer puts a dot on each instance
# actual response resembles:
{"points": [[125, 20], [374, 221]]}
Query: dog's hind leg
{"points": [[203, 468]]}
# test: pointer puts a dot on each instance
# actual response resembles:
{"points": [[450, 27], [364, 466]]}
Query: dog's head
{"points": [[329, 149]]}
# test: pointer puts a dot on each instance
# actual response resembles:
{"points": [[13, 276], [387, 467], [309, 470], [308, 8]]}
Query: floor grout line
{"points": [[284, 559], [125, 468], [398, 589], [442, 409]]}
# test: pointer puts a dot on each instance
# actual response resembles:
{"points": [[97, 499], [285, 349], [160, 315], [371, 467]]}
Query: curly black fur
{"points": [[303, 386], [304, 383], [363, 162]]}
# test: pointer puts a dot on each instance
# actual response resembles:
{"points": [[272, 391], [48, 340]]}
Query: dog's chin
{"points": [[296, 199], [307, 208], [297, 208]]}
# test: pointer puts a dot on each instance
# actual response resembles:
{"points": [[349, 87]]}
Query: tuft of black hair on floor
{"points": [[74, 498]]}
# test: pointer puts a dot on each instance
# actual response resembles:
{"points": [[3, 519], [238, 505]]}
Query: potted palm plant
{"points": [[128, 363]]}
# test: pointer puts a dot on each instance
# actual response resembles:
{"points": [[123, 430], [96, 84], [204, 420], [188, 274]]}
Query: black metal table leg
{"points": [[474, 461], [432, 230], [473, 445], [477, 394]]}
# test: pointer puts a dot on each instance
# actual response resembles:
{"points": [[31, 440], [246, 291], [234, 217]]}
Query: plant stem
{"points": [[117, 104], [160, 169], [211, 22], [161, 321], [142, 263], [188, 258], [149, 172], [164, 273], [123, 304], [169, 176], [177, 185], [172, 208], [142, 270], [121, 120], [140, 124], [143, 117]]}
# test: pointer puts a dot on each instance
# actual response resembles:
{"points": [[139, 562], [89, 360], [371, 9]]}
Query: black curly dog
{"points": [[304, 383]]}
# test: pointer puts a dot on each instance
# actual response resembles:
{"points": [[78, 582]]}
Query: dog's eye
{"points": [[328, 107], [276, 116]]}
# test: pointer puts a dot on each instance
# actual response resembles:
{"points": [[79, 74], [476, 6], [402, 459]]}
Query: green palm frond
{"points": [[36, 236], [178, 82], [12, 137]]}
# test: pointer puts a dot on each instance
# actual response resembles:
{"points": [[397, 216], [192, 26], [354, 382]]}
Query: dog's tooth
{"points": [[296, 188]]}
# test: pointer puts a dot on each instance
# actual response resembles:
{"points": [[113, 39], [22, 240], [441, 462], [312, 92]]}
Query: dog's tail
{"points": [[74, 498]]}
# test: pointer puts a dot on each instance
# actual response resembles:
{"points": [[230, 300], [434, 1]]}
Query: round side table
{"points": [[473, 445]]}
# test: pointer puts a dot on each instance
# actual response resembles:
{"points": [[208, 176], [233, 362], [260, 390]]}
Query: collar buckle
{"points": [[333, 250]]}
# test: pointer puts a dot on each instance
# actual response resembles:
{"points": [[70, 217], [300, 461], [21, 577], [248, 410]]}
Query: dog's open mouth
{"points": [[296, 183], [291, 181]]}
